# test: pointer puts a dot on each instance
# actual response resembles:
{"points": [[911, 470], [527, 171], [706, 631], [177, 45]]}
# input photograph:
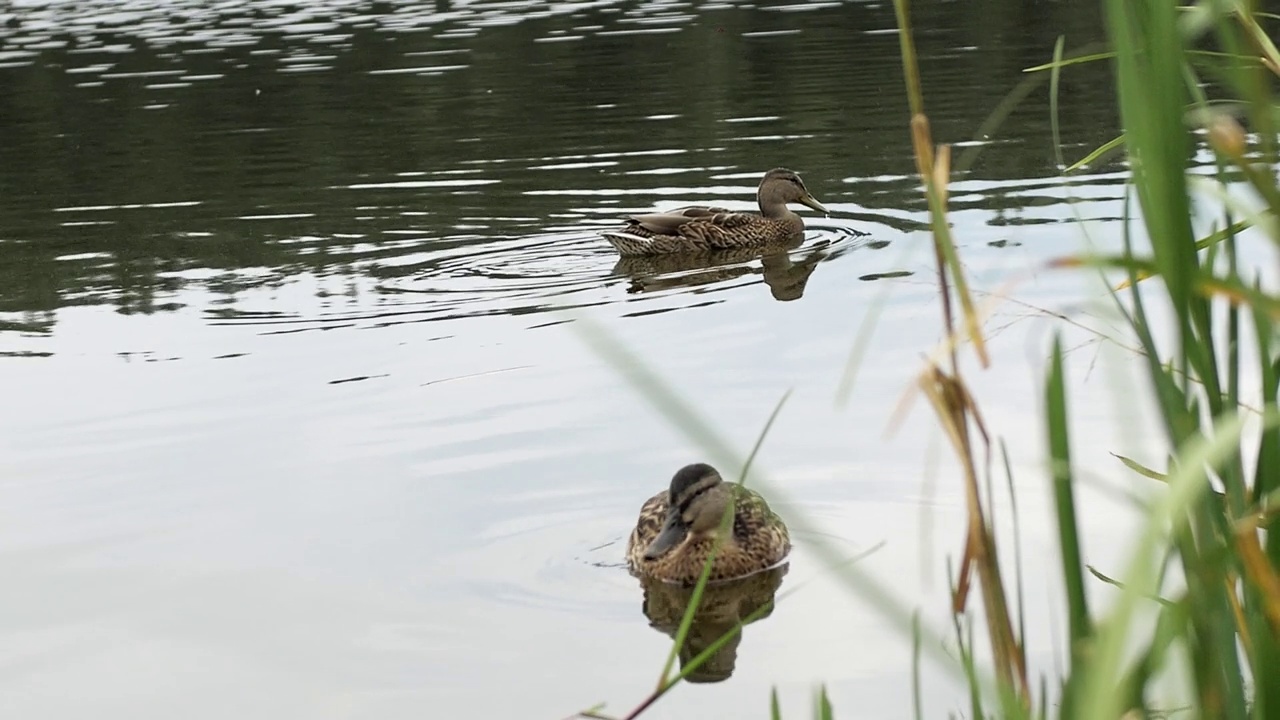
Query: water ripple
{"points": [[467, 276]]}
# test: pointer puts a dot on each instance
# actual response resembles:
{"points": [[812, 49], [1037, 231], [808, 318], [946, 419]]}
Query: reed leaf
{"points": [[1080, 624]]}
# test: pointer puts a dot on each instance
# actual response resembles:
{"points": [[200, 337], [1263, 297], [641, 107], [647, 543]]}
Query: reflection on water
{"points": [[784, 275], [160, 158], [724, 605], [886, 275]]}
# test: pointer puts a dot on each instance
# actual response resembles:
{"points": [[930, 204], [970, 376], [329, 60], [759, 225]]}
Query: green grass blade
{"points": [[713, 647], [686, 621], [1267, 468], [1059, 62], [1053, 102], [824, 705], [1142, 470], [1079, 622], [964, 642], [657, 391], [907, 48], [1017, 544], [1099, 696], [1218, 236], [1064, 497], [594, 713], [1145, 36], [862, 343], [916, 701], [994, 120], [764, 433], [1108, 147]]}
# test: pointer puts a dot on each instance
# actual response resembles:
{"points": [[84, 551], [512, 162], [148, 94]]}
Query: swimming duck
{"points": [[709, 228], [678, 527]]}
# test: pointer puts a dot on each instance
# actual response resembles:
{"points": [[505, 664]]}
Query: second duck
{"points": [[679, 526], [710, 228]]}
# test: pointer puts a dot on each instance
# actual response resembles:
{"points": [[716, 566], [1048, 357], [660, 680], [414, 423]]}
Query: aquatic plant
{"points": [[1213, 523]]}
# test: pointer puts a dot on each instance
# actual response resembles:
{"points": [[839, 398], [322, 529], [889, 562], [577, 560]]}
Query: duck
{"points": [[679, 526], [700, 228]]}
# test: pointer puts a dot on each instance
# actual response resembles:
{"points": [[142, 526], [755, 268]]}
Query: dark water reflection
{"points": [[294, 425], [231, 146], [785, 276], [722, 608]]}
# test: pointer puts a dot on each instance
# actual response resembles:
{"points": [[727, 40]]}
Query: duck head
{"points": [[696, 504], [780, 186]]}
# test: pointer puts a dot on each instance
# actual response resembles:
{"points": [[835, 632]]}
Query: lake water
{"points": [[301, 414]]}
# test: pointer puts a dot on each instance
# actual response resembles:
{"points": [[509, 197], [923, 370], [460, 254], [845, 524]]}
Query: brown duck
{"points": [[679, 526], [711, 228]]}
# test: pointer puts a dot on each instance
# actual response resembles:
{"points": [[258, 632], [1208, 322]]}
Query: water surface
{"points": [[300, 420]]}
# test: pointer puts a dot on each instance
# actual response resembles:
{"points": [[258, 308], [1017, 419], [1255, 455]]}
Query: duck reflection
{"points": [[785, 276], [723, 605]]}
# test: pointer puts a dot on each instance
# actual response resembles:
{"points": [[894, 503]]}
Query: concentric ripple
{"points": [[443, 279], [568, 561]]}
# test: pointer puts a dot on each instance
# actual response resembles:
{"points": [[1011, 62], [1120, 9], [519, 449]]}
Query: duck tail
{"points": [[627, 244]]}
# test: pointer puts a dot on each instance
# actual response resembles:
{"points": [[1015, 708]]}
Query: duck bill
{"points": [[672, 533], [810, 201]]}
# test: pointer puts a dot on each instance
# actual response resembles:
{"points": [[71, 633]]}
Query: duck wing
{"points": [[675, 222], [653, 515]]}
